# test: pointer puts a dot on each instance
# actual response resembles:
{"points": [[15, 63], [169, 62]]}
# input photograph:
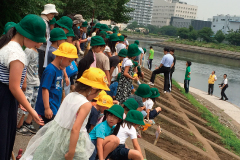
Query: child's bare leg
{"points": [[29, 119], [109, 144], [20, 123], [158, 109], [134, 155], [142, 76]]}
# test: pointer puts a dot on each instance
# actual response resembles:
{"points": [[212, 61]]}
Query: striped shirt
{"points": [[11, 52]]}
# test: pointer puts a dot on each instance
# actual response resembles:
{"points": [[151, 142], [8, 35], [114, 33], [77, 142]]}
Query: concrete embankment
{"points": [[146, 38], [202, 50]]}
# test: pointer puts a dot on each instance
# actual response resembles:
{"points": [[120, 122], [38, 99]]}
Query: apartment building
{"points": [[142, 11], [163, 10], [225, 23]]}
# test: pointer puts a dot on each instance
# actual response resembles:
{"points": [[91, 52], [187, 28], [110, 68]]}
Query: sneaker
{"points": [[30, 127], [23, 131], [165, 92], [221, 99], [150, 83], [226, 99]]}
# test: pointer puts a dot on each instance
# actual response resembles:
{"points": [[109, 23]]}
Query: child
{"points": [[151, 114], [57, 37], [101, 136], [120, 45], [128, 129], [129, 104], [52, 23], [50, 90], [104, 102], [32, 81], [28, 32], [66, 134], [113, 39], [102, 61], [125, 81], [187, 76], [143, 92], [65, 23]]}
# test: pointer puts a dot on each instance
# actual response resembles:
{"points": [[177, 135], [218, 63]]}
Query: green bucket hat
{"points": [[84, 24], [116, 110], [113, 37], [131, 104], [144, 49], [118, 76], [8, 26], [53, 21], [135, 64], [154, 92], [135, 117], [143, 91], [115, 30], [32, 27], [121, 38], [123, 53], [97, 41], [103, 34], [98, 25], [133, 50], [57, 34], [65, 22], [104, 27], [70, 33], [136, 42]]}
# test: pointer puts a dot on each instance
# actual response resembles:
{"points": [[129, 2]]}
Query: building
{"points": [[142, 11], [163, 10], [197, 24], [225, 23]]}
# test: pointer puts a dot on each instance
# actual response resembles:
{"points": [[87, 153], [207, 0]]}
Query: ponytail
{"points": [[6, 38], [116, 129]]}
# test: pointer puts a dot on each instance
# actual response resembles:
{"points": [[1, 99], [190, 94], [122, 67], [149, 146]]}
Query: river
{"points": [[202, 66]]}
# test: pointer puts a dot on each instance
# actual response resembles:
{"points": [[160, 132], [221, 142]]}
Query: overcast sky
{"points": [[209, 8]]}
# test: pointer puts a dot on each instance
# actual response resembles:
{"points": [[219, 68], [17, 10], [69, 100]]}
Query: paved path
{"points": [[229, 108]]}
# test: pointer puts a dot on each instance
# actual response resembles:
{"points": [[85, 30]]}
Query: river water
{"points": [[202, 67]]}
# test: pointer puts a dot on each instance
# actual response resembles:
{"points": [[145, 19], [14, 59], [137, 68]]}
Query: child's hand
{"points": [[48, 113], [69, 156], [37, 119]]}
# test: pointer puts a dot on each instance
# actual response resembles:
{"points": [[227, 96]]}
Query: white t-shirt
{"points": [[225, 81], [148, 104], [127, 62], [120, 46], [125, 132]]}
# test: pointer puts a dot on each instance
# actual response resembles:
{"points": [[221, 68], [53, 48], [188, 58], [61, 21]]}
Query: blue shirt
{"points": [[101, 130], [93, 117], [113, 89], [167, 60], [83, 44], [52, 81], [51, 56]]}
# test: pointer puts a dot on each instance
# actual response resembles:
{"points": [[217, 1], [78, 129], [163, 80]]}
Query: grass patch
{"points": [[222, 46], [229, 138]]}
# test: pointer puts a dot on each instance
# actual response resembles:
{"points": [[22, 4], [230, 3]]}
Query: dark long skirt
{"points": [[8, 121]]}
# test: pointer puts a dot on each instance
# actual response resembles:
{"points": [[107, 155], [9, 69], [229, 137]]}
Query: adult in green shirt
{"points": [[150, 58], [187, 76]]}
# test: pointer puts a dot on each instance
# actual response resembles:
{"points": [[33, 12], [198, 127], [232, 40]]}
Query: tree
{"points": [[133, 25], [233, 37], [206, 34], [193, 35], [191, 28], [183, 33], [168, 30], [152, 29], [219, 36]]}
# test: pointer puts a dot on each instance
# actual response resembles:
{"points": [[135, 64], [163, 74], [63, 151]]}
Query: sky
{"points": [[209, 8]]}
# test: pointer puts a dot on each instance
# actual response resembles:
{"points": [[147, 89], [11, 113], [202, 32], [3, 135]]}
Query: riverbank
{"points": [[202, 50]]}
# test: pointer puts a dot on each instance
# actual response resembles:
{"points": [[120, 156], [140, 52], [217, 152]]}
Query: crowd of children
{"points": [[78, 122]]}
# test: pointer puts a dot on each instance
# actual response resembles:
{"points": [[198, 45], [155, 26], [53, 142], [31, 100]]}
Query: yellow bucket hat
{"points": [[67, 50], [119, 34], [95, 78], [105, 100], [100, 94]]}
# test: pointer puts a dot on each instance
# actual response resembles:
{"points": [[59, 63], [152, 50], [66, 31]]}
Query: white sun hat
{"points": [[49, 8]]}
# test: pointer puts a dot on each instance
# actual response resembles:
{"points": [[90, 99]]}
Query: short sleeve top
{"points": [[11, 52], [101, 130], [125, 132], [127, 62]]}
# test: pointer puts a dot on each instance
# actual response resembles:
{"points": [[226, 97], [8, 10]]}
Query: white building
{"points": [[225, 23], [163, 10], [142, 11]]}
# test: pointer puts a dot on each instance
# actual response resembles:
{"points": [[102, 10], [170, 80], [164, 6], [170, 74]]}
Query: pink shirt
{"points": [[94, 62]]}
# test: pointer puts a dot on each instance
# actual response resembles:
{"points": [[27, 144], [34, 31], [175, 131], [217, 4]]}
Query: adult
{"points": [[150, 58], [172, 67], [165, 68], [83, 35], [223, 87], [47, 14], [212, 78]]}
